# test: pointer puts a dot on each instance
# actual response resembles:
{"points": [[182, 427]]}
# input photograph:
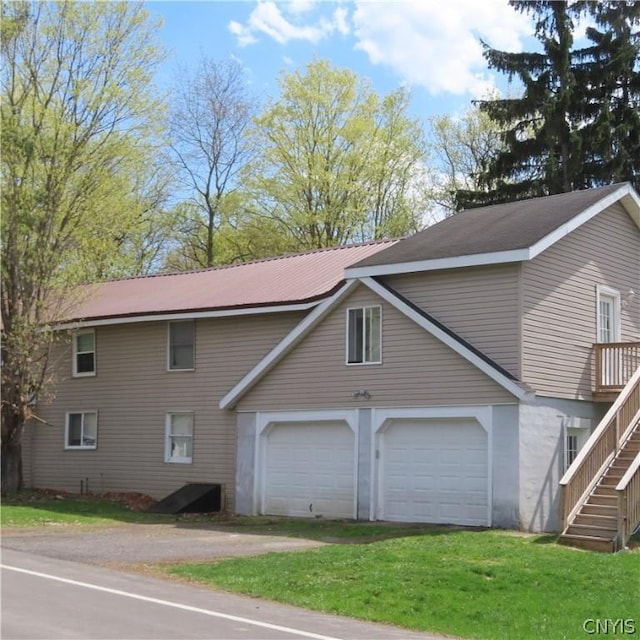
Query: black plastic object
{"points": [[192, 498]]}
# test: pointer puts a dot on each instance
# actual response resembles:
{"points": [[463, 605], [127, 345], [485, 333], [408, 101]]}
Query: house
{"points": [[449, 377]]}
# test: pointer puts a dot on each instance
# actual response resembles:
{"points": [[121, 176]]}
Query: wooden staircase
{"points": [[601, 490]]}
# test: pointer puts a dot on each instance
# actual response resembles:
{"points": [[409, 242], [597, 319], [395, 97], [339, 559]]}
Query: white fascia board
{"points": [[496, 257], [194, 315], [625, 193], [285, 345], [510, 385]]}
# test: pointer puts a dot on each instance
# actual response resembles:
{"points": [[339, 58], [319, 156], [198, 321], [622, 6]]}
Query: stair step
{"points": [[607, 522], [608, 489], [599, 509], [630, 448], [604, 545], [602, 531], [600, 499]]}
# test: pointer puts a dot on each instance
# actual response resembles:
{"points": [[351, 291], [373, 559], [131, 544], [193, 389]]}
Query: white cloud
{"points": [[300, 6], [242, 33], [341, 21], [430, 43], [268, 18], [435, 44]]}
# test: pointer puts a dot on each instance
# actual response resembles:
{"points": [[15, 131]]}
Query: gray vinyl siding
{"points": [[479, 303], [416, 370], [133, 392], [559, 302]]}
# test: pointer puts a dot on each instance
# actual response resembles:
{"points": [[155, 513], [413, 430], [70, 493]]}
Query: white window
{"points": [[84, 353], [364, 335], [179, 437], [81, 430], [576, 433], [608, 314], [181, 345]]}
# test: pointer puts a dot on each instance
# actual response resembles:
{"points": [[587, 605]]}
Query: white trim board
{"points": [[625, 194], [284, 346], [510, 385]]}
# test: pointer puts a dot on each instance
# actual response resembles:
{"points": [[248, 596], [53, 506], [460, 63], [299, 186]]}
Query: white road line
{"points": [[168, 603]]}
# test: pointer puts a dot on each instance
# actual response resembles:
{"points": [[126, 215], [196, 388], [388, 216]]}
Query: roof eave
{"points": [[189, 315], [472, 260]]}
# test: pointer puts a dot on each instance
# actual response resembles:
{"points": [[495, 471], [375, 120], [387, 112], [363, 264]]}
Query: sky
{"points": [[431, 46]]}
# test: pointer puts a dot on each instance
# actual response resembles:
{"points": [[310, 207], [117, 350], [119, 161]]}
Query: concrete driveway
{"points": [[146, 543]]}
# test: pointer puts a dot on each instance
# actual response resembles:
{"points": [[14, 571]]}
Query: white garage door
{"points": [[309, 470], [434, 471]]}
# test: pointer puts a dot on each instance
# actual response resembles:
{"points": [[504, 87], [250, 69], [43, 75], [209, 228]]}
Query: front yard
{"points": [[469, 584], [489, 584]]}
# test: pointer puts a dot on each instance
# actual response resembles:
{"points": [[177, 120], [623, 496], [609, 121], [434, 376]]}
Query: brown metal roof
{"points": [[501, 227], [293, 279]]}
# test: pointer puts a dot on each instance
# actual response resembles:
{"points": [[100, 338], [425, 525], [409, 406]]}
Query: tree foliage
{"points": [[211, 112], [336, 162], [461, 148], [75, 107], [576, 124]]}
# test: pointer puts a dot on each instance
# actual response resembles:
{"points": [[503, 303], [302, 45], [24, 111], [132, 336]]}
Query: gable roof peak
{"points": [[508, 232]]}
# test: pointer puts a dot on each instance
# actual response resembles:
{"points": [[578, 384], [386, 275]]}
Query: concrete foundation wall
{"points": [[506, 499], [541, 452]]}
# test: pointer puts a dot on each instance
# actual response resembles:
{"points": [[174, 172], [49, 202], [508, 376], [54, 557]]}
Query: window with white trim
{"points": [[608, 314], [179, 437], [84, 353], [575, 438], [364, 335], [181, 338], [81, 430]]}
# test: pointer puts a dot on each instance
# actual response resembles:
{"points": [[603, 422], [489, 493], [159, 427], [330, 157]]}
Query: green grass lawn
{"points": [[31, 509], [488, 584]]}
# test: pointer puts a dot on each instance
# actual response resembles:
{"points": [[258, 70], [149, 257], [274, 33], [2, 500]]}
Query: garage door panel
{"points": [[434, 471], [309, 470]]}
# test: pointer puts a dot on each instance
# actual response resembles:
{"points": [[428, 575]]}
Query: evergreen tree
{"points": [[609, 70], [576, 123]]}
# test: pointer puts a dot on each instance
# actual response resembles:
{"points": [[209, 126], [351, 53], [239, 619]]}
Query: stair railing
{"points": [[628, 492], [599, 450]]}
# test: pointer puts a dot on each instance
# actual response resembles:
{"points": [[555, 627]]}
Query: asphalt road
{"points": [[48, 596]]}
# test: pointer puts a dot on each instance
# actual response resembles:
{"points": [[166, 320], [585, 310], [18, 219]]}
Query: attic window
{"points": [[364, 336]]}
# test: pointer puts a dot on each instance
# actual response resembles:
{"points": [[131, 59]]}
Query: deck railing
{"points": [[600, 449], [615, 364], [628, 492]]}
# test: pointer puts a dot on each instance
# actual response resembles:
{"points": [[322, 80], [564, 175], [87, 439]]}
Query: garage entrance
{"points": [[433, 471]]}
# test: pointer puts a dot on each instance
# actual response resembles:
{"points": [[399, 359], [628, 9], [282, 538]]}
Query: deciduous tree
{"points": [[210, 115], [76, 114], [336, 162]]}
